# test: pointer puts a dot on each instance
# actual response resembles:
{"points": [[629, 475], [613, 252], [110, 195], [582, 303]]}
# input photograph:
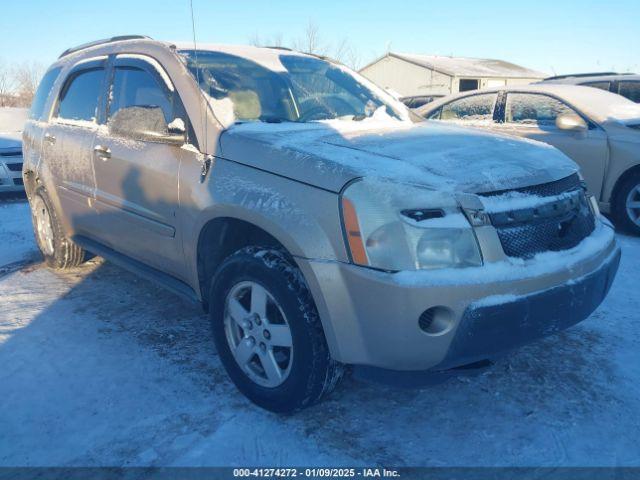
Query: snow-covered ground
{"points": [[98, 367]]}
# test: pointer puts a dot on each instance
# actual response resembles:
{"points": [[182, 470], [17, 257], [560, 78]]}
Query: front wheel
{"points": [[626, 205], [268, 333]]}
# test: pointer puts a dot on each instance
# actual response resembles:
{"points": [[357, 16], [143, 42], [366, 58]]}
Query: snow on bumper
{"points": [[372, 318], [500, 323]]}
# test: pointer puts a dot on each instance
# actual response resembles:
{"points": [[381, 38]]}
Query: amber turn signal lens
{"points": [[354, 236]]}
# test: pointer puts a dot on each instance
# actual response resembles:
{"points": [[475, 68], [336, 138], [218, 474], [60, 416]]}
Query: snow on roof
{"points": [[470, 67], [265, 56]]}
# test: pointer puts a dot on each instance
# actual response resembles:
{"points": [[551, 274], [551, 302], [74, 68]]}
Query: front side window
{"points": [[42, 93], [630, 90], [79, 97], [476, 108], [535, 109], [300, 89], [134, 87]]}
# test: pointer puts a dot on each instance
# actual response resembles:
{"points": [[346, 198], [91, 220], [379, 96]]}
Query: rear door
{"points": [[137, 181], [68, 141], [533, 115], [38, 117]]}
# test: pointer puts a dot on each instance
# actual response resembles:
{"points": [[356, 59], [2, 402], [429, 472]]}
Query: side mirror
{"points": [[147, 124], [571, 123]]}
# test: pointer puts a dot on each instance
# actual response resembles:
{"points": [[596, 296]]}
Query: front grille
{"points": [[554, 227], [14, 167], [550, 189]]}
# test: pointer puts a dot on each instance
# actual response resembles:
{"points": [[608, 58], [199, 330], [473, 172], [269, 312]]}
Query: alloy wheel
{"points": [[633, 205], [43, 227], [258, 334]]}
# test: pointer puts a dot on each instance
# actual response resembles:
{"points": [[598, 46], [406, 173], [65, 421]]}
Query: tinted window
{"points": [[531, 109], [475, 108], [40, 98], [79, 98], [600, 85], [134, 87], [630, 90]]}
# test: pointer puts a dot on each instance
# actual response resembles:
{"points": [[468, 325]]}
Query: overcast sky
{"points": [[554, 36]]}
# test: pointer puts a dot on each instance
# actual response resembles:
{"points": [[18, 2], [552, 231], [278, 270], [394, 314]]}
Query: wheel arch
{"points": [[629, 172], [221, 236]]}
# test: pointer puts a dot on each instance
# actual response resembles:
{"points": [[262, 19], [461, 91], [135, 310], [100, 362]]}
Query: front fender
{"points": [[304, 219]]}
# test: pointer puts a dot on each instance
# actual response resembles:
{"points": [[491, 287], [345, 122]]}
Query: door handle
{"points": [[103, 153], [49, 138]]}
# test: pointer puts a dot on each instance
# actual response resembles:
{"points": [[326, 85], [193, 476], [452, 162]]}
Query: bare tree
{"points": [[27, 76], [276, 40], [7, 98], [311, 41], [346, 53]]}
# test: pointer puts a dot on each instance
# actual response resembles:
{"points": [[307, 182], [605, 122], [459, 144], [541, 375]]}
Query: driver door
{"points": [[137, 180]]}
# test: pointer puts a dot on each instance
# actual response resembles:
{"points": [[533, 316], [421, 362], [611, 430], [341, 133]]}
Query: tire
{"points": [[58, 251], [307, 370], [628, 194]]}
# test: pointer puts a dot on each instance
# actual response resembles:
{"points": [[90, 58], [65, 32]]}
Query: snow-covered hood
{"points": [[10, 142], [445, 157]]}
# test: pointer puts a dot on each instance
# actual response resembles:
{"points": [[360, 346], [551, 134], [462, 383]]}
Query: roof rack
{"points": [[95, 43], [279, 48], [582, 75]]}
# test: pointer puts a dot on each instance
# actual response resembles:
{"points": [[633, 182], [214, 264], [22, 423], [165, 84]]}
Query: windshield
{"points": [[305, 89]]}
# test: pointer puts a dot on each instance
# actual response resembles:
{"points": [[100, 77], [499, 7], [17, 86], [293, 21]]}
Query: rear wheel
{"points": [[627, 204], [268, 333], [58, 251]]}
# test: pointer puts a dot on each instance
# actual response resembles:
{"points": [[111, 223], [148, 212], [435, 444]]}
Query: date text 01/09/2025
{"points": [[316, 472]]}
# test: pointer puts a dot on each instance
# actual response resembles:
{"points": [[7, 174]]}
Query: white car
{"points": [[598, 130], [11, 122]]}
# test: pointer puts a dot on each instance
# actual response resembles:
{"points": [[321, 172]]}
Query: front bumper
{"points": [[372, 318], [11, 173]]}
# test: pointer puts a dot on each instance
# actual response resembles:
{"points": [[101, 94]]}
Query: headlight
{"points": [[395, 227]]}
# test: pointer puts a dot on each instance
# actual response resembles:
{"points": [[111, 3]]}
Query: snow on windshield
{"points": [[300, 88]]}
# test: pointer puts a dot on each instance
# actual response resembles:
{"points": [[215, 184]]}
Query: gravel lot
{"points": [[98, 367]]}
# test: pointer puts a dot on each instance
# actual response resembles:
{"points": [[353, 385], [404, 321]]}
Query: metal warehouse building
{"points": [[410, 75]]}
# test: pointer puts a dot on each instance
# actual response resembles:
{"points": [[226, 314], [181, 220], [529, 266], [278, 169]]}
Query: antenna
{"points": [[203, 117]]}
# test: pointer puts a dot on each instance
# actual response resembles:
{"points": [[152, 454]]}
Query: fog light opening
{"points": [[436, 320]]}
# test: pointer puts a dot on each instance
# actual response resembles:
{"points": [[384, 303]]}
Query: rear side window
{"points": [[630, 90], [42, 93], [535, 109], [477, 108], [80, 95], [134, 87], [600, 85]]}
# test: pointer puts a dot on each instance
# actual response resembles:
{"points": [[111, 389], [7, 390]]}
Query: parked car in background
{"points": [[625, 84], [419, 100], [597, 129], [315, 217], [11, 124]]}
